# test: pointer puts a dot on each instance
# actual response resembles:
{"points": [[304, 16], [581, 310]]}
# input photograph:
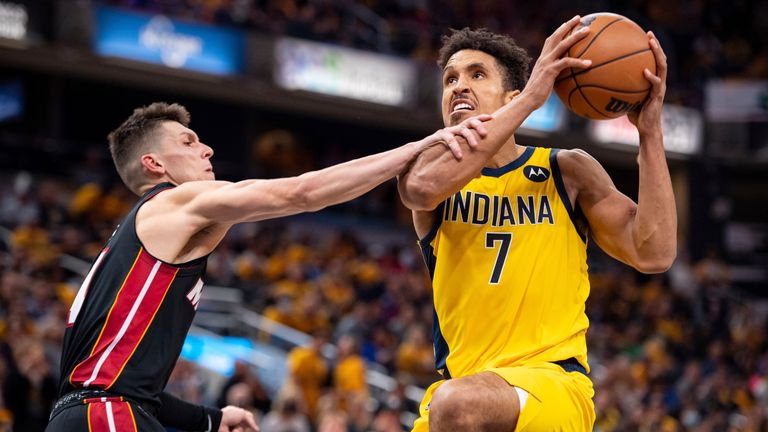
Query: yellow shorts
{"points": [[557, 401]]}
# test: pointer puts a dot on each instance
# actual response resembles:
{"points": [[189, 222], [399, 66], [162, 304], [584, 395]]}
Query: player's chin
{"points": [[459, 116]]}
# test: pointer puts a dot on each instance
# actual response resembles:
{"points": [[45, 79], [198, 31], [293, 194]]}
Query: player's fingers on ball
{"points": [[655, 80], [567, 27], [571, 62], [565, 44], [658, 51], [560, 32]]}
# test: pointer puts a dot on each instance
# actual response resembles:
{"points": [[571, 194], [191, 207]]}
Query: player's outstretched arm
{"points": [[643, 235], [223, 203], [435, 174]]}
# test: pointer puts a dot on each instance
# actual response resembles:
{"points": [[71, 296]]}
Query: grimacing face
{"points": [[182, 154], [472, 85]]}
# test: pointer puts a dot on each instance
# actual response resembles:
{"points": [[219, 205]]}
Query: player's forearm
{"points": [[177, 413], [655, 228], [349, 180], [436, 174]]}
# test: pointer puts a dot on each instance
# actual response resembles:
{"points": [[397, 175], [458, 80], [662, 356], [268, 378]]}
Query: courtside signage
{"points": [[548, 118], [160, 40], [11, 100], [683, 129], [13, 21], [344, 72]]}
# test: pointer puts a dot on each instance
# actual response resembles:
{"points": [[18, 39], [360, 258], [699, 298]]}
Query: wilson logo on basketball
{"points": [[536, 173], [620, 106]]}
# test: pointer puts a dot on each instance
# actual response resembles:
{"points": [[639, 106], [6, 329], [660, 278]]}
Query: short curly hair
{"points": [[512, 59], [135, 135]]}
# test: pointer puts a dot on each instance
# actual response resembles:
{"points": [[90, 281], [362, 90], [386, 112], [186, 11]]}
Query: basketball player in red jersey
{"points": [[129, 319]]}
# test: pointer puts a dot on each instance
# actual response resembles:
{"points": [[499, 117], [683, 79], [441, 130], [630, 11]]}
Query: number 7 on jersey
{"points": [[501, 256]]}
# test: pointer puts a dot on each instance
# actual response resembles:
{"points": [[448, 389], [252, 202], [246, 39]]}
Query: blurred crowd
{"points": [[702, 39], [677, 352]]}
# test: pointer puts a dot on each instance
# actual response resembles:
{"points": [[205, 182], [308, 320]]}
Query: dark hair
{"points": [[133, 135], [511, 58]]}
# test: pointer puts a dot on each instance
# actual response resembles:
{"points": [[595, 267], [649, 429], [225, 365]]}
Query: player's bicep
{"points": [[246, 201], [610, 222], [609, 212]]}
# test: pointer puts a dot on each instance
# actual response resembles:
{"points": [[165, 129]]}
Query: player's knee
{"points": [[451, 408]]}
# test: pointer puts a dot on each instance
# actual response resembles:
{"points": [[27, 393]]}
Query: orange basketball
{"points": [[614, 84]]}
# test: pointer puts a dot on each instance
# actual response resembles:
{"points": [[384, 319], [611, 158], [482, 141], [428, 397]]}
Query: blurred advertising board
{"points": [[683, 129], [344, 72], [550, 117], [14, 19], [24, 20], [160, 40], [11, 100], [737, 100], [215, 353]]}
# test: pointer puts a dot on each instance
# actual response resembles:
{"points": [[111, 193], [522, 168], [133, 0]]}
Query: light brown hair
{"points": [[137, 134]]}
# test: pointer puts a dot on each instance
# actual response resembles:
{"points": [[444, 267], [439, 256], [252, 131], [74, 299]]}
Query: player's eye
{"points": [[451, 80], [478, 75]]}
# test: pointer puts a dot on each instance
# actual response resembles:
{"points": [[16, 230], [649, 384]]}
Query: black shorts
{"points": [[101, 414]]}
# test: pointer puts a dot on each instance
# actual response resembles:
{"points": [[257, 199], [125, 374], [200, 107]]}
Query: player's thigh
{"points": [[494, 404], [422, 423], [556, 400]]}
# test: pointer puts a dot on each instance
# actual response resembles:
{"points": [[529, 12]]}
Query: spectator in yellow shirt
{"points": [[308, 371], [349, 373]]}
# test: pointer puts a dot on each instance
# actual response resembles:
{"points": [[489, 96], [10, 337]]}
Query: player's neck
{"points": [[506, 154]]}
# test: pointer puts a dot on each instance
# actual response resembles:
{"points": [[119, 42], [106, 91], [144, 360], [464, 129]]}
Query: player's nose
{"points": [[462, 86], [207, 152]]}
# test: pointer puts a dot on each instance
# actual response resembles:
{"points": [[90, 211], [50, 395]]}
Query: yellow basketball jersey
{"points": [[509, 270]]}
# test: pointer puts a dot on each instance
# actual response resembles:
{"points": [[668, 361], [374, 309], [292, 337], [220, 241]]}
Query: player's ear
{"points": [[152, 164], [508, 96]]}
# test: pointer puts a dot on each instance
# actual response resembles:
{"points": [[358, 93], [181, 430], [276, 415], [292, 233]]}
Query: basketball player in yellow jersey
{"points": [[504, 236]]}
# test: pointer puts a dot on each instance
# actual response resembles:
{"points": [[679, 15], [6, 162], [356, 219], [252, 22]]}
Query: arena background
{"points": [[278, 87]]}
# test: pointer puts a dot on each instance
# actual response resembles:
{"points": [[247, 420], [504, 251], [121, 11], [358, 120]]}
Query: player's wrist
{"points": [[650, 135], [529, 100]]}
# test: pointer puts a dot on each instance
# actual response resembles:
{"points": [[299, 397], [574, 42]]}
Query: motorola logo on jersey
{"points": [[536, 173]]}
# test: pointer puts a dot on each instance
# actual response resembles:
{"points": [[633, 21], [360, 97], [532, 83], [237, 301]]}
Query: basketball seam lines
{"points": [[583, 96], [581, 72], [598, 34]]}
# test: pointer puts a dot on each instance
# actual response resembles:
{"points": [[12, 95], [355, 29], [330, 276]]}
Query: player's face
{"points": [[472, 85], [185, 158]]}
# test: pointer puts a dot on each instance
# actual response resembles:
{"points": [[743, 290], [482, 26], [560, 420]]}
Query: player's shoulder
{"points": [[573, 156], [185, 192], [575, 159], [577, 166]]}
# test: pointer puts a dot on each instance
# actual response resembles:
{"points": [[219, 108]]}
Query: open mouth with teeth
{"points": [[462, 106]]}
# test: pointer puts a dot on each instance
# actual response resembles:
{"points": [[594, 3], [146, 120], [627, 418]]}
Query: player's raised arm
{"points": [[210, 203], [643, 235], [473, 83]]}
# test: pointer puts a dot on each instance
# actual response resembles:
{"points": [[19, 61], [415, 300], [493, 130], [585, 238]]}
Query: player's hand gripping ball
{"points": [[614, 84]]}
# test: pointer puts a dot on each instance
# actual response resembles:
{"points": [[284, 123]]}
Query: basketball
{"points": [[614, 84]]}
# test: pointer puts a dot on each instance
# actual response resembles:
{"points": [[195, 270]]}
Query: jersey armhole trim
{"points": [[560, 186], [185, 268], [438, 213]]}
